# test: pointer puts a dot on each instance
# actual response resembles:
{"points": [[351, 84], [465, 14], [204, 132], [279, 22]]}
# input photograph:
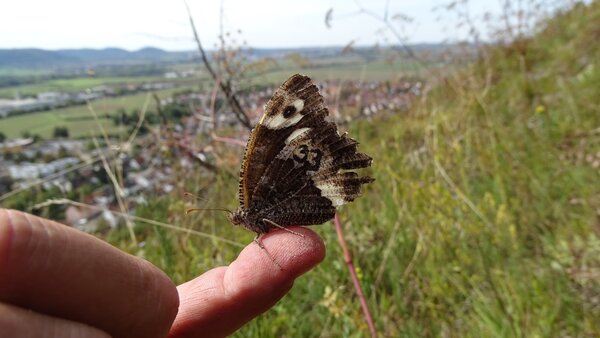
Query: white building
{"points": [[29, 171]]}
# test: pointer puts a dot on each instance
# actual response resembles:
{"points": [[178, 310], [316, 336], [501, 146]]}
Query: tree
{"points": [[61, 132], [2, 137]]}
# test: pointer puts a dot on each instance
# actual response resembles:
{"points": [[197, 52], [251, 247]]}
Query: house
{"points": [[5, 107], [30, 171], [53, 99]]}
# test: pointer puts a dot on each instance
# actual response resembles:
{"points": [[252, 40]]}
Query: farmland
{"points": [[80, 122], [78, 119]]}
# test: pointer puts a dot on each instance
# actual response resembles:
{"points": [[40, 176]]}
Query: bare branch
{"points": [[225, 86], [391, 28], [228, 140]]}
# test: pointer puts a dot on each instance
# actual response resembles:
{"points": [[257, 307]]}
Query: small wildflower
{"points": [[540, 109], [359, 273], [331, 301]]}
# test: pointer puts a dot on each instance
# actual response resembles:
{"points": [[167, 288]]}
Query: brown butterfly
{"points": [[297, 167]]}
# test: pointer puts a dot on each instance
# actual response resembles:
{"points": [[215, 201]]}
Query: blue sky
{"points": [[132, 24]]}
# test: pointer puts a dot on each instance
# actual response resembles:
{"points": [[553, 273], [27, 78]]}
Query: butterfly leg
{"points": [[260, 245], [282, 228]]}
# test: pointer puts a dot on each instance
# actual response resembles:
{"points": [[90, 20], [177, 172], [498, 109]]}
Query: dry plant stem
{"points": [[193, 154], [229, 140], [118, 191], [117, 184], [63, 201], [213, 100], [357, 286], [386, 21], [213, 114], [225, 87], [140, 121]]}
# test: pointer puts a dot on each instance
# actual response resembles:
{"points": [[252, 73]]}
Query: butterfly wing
{"points": [[297, 103], [295, 168], [310, 177]]}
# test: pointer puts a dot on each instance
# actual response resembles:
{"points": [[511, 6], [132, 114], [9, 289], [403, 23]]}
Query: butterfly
{"points": [[296, 167]]}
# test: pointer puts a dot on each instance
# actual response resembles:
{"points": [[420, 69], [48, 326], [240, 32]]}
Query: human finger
{"points": [[223, 299], [17, 322], [61, 272]]}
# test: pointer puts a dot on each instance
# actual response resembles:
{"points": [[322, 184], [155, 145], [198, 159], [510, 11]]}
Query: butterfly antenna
{"points": [[189, 194], [190, 210]]}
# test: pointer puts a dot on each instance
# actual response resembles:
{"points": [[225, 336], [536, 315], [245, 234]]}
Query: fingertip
{"points": [[285, 256], [249, 286], [295, 254]]}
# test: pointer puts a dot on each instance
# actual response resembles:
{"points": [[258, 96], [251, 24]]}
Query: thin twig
{"points": [[63, 201], [385, 20], [229, 140], [119, 193], [194, 154], [117, 184], [357, 286], [461, 195], [224, 85], [141, 118], [213, 101]]}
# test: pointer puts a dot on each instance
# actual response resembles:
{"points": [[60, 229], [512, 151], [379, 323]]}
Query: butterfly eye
{"points": [[289, 111]]}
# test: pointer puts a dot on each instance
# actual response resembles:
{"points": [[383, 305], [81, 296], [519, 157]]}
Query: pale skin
{"points": [[56, 281]]}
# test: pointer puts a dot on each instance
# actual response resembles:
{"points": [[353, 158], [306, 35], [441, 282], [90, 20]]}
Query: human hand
{"points": [[60, 282]]}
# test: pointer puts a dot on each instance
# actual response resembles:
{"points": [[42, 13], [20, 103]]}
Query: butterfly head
{"points": [[249, 221]]}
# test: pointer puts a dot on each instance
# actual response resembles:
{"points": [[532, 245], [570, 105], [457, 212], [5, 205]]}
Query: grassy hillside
{"points": [[484, 220]]}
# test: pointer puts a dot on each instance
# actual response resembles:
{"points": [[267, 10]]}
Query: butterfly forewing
{"points": [[295, 168], [297, 102]]}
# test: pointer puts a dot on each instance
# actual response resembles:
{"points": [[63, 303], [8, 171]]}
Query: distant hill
{"points": [[37, 58], [66, 58], [25, 58]]}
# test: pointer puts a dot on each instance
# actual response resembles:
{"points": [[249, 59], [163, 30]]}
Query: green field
{"points": [[370, 71], [73, 85], [74, 118], [17, 72]]}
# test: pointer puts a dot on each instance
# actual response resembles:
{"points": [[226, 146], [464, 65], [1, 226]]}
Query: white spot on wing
{"points": [[295, 134], [299, 105], [279, 121], [332, 192]]}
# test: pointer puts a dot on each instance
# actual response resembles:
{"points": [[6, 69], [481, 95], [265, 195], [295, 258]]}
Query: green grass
{"points": [[78, 119]]}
